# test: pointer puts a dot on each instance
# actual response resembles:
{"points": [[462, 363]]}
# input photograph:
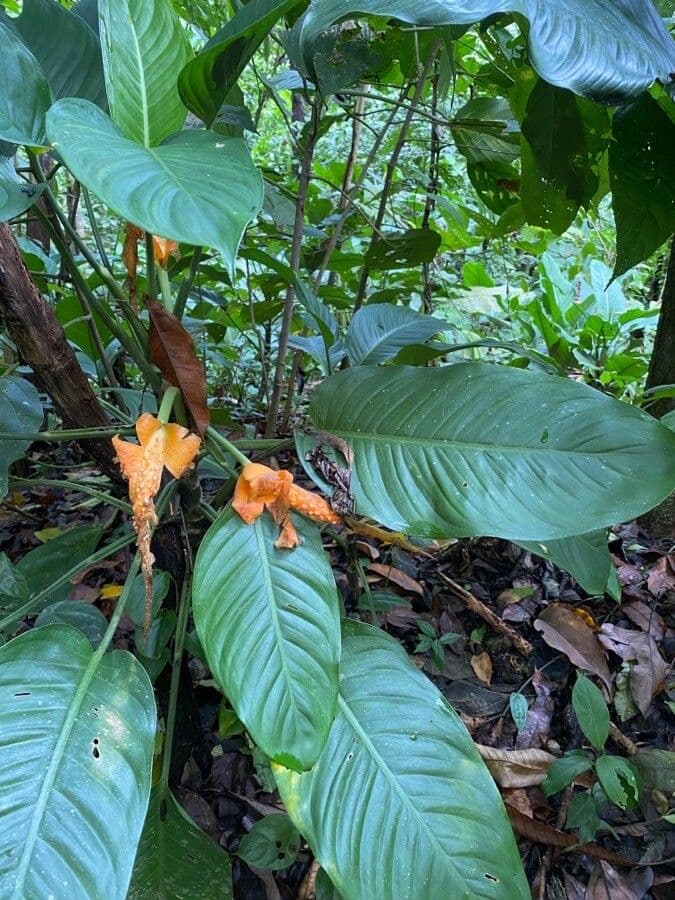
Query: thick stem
{"points": [[391, 168], [42, 345], [662, 363], [296, 250], [186, 285], [179, 641]]}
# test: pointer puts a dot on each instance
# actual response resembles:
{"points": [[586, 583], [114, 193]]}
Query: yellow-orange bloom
{"points": [[259, 487], [170, 446]]}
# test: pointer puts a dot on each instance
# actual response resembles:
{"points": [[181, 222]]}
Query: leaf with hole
{"points": [[476, 448], [197, 187], [268, 620], [144, 49], [71, 719], [273, 843], [176, 860], [399, 805]]}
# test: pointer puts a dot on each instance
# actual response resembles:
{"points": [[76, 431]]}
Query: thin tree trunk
{"points": [[41, 343], [662, 363]]}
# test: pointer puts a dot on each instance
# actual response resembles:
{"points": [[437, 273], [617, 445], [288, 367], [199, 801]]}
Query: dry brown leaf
{"points": [[132, 235], [516, 768], [649, 670], [482, 666], [661, 579], [173, 352], [645, 618], [537, 726], [605, 883], [397, 577], [519, 799], [564, 631]]}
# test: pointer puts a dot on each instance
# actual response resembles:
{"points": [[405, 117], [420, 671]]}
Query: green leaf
{"points": [[642, 180], [378, 332], [25, 96], [206, 81], [135, 608], [404, 250], [268, 620], [43, 565], [86, 618], [585, 556], [399, 805], [144, 49], [324, 887], [481, 449], [591, 711], [15, 196], [75, 763], [598, 48], [197, 188], [13, 587], [556, 174], [518, 707], [20, 411], [67, 50], [176, 859], [564, 770], [618, 779], [272, 843]]}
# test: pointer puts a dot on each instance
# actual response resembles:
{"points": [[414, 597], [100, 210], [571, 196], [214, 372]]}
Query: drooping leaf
{"points": [[66, 48], [87, 10], [378, 332], [20, 412], [176, 860], [269, 624], [585, 556], [206, 81], [25, 96], [476, 448], [591, 711], [173, 352], [642, 180], [598, 48], [86, 618], [557, 177], [15, 196], [71, 719], [144, 49], [401, 251], [272, 843], [399, 804], [197, 187]]}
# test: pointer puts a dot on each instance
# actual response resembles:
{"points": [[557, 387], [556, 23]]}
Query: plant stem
{"points": [[95, 229], [150, 266], [179, 642], [188, 281], [165, 287], [166, 405], [119, 608], [296, 250], [70, 434], [226, 445], [75, 486]]}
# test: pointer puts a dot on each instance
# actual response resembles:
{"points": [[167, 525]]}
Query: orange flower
{"points": [[259, 487], [163, 248], [142, 465]]}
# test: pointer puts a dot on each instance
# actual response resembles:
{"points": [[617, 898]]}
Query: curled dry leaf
{"points": [[645, 618], [397, 577], [648, 671], [565, 631], [173, 352], [661, 579], [516, 768], [132, 235], [482, 666]]}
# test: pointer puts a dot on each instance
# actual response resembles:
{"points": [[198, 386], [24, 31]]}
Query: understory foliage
{"points": [[420, 245]]}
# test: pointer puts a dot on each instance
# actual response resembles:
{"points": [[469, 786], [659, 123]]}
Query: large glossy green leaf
{"points": [[642, 178], [176, 860], [206, 80], [68, 51], [15, 196], [197, 187], [76, 739], [144, 49], [600, 48], [399, 805], [477, 448], [24, 92], [268, 620], [20, 412], [380, 331], [585, 556]]}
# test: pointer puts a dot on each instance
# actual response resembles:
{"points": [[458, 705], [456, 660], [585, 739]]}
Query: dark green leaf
{"points": [[564, 770], [591, 711], [13, 587], [586, 557], [72, 719], [324, 887], [268, 620], [197, 187], [378, 332], [86, 618], [20, 411], [25, 96], [15, 196], [424, 465], [401, 251], [176, 860], [399, 805], [519, 709], [618, 779], [642, 180], [272, 843], [135, 607]]}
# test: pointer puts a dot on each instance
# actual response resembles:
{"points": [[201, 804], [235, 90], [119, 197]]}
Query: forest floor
{"points": [[514, 623]]}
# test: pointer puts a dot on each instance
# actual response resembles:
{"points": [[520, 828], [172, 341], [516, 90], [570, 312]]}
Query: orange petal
{"points": [[146, 426], [180, 449], [162, 250], [248, 510], [313, 506], [129, 456], [288, 538]]}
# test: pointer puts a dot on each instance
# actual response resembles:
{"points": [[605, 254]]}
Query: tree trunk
{"points": [[41, 343], [662, 363]]}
